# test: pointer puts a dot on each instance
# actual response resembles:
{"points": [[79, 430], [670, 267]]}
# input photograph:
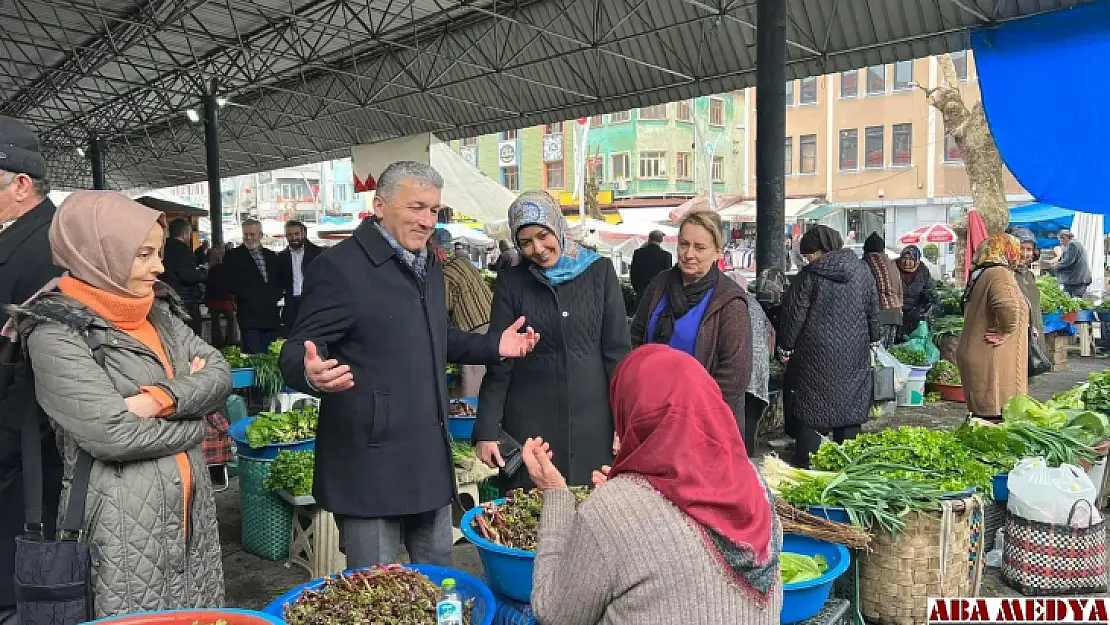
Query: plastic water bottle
{"points": [[449, 608]]}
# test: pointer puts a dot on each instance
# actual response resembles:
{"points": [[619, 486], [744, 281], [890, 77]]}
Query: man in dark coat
{"points": [[648, 262], [1072, 270], [255, 278], [25, 267], [181, 270], [294, 261], [372, 339]]}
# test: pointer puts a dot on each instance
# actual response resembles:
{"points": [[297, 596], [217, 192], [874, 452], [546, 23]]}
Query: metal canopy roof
{"points": [[307, 79]]}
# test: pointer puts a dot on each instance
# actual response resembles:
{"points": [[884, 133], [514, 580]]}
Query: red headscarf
{"points": [[677, 433]]}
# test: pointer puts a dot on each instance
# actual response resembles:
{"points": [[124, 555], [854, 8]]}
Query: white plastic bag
{"points": [[1042, 493], [901, 371]]}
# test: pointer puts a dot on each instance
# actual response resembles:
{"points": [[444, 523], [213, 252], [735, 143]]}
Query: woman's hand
{"points": [[537, 459], [490, 453], [996, 338], [196, 365], [601, 476], [143, 405]]}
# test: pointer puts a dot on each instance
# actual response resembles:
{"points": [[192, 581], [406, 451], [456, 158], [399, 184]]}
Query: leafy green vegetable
{"points": [[235, 357], [910, 356], [267, 372], [952, 325], [798, 568], [1053, 297], [1025, 409], [461, 452], [452, 369], [1096, 393], [282, 427], [292, 472], [994, 446], [1058, 446], [944, 372], [1071, 399], [1095, 424]]}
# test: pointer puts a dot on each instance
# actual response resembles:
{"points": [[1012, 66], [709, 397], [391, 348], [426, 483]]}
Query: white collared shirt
{"points": [[298, 273]]}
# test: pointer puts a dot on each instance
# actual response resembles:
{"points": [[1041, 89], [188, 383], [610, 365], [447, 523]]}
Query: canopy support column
{"points": [[212, 161], [96, 158], [770, 133]]}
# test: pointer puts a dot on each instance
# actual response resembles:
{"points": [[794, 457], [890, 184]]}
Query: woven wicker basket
{"points": [[937, 555], [267, 518]]}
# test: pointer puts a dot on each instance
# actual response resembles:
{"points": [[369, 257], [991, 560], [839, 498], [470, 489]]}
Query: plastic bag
{"points": [[920, 340], [881, 357], [993, 558], [1049, 494]]}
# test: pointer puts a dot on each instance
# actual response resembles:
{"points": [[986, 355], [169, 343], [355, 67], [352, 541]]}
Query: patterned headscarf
{"points": [[999, 249], [538, 208], [911, 251]]}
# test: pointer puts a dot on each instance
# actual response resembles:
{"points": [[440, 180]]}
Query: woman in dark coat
{"points": [[888, 284], [919, 292], [692, 309], [830, 318], [560, 391]]}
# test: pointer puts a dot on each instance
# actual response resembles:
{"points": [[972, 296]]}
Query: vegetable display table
{"points": [[314, 540], [1086, 335]]}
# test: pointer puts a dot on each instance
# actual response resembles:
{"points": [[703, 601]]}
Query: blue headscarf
{"points": [[537, 208]]}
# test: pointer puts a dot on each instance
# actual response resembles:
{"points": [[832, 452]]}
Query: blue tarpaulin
{"points": [[1043, 220], [1044, 89]]}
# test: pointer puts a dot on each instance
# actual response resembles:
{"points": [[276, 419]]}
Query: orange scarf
{"points": [[130, 315]]}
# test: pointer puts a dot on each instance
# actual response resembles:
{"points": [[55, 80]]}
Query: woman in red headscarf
{"points": [[680, 529]]}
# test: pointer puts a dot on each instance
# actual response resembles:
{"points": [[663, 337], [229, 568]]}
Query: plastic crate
{"points": [[512, 612], [488, 491], [267, 518]]}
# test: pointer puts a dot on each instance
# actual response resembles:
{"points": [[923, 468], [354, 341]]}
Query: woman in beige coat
{"points": [[993, 350]]}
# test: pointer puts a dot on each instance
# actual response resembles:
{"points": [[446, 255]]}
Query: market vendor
{"points": [[1027, 281], [681, 530], [919, 292], [468, 303]]}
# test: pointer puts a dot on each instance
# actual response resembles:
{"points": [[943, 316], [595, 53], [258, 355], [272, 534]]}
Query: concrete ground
{"points": [[252, 582]]}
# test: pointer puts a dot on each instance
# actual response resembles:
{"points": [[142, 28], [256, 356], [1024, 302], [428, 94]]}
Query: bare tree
{"points": [[969, 128]]}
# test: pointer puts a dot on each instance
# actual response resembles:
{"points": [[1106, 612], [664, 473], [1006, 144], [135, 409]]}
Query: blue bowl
{"points": [[469, 587], [508, 570], [1001, 487], [462, 427], [803, 600], [832, 513], [188, 617], [238, 433], [242, 378]]}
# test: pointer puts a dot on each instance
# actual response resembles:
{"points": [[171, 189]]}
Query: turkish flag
{"points": [[369, 185]]}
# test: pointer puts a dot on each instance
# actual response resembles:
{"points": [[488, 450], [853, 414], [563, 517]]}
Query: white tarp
{"points": [[1088, 230], [466, 189], [469, 235]]}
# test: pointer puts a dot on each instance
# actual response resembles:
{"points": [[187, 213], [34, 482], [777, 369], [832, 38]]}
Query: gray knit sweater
{"points": [[630, 557]]}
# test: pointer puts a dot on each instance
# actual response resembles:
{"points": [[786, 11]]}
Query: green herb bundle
{"points": [[516, 522], [235, 357], [292, 472], [1054, 298], [910, 356], [1096, 393], [283, 427], [944, 372], [461, 453], [951, 325]]}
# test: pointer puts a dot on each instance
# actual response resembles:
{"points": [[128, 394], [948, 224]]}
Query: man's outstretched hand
{"points": [[514, 343], [326, 376]]}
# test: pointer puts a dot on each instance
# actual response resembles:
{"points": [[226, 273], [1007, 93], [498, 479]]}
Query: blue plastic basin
{"points": [[1001, 487], [832, 513], [803, 600], [1085, 316], [469, 587], [242, 378], [238, 433], [509, 571], [188, 617], [462, 427]]}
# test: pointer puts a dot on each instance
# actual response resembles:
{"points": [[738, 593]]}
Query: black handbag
{"points": [[53, 575], [1038, 360], [882, 383], [512, 453]]}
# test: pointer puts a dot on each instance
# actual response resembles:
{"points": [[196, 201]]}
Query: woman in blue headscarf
{"points": [[560, 391]]}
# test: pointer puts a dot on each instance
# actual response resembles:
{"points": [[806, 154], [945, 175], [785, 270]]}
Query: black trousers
{"points": [[196, 322], [807, 440]]}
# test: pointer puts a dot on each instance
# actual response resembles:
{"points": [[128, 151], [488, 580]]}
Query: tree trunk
{"points": [[982, 160]]}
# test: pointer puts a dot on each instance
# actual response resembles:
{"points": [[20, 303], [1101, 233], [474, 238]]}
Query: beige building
{"points": [[869, 142]]}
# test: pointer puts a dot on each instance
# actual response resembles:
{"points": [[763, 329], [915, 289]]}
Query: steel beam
{"points": [[212, 160], [770, 134]]}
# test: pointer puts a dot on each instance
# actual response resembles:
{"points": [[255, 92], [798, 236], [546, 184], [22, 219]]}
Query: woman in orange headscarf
{"points": [[680, 530], [993, 350]]}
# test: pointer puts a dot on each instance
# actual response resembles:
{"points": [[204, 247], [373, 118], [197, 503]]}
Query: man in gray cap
{"points": [[25, 267], [1072, 270]]}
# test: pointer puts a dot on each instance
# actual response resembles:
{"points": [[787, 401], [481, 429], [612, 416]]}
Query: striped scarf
{"points": [[418, 262], [469, 300], [880, 268]]}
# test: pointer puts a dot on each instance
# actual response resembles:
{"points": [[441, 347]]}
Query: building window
{"points": [[809, 91], [508, 135], [469, 142], [682, 166], [873, 148], [617, 118], [553, 129], [683, 111], [952, 153], [789, 93], [807, 161], [876, 80], [901, 145], [903, 75], [619, 166], [555, 175], [718, 169], [849, 84], [788, 151], [596, 168], [511, 178], [653, 164], [716, 112], [959, 59], [849, 150], [597, 120], [659, 111]]}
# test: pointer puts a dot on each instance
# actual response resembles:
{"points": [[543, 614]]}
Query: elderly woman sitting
{"points": [[679, 530]]}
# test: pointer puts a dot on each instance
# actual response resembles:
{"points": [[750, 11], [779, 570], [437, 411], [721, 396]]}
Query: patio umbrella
{"points": [[936, 233], [976, 234]]}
